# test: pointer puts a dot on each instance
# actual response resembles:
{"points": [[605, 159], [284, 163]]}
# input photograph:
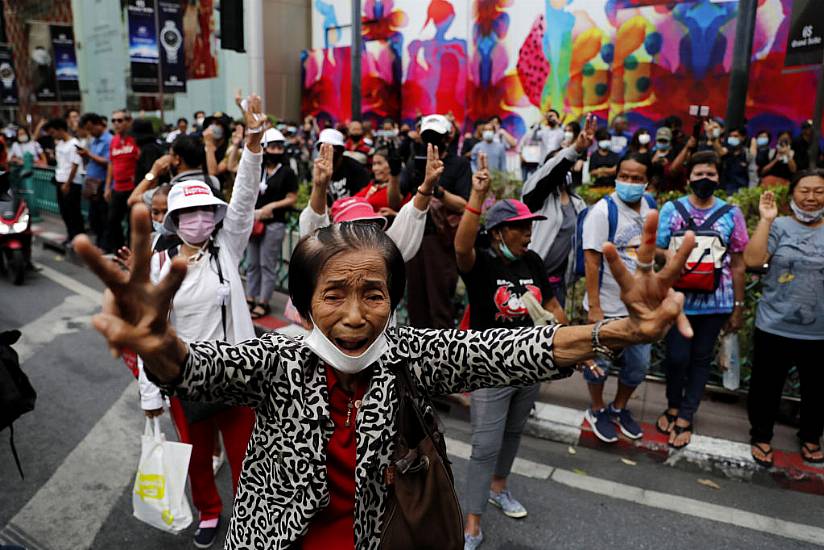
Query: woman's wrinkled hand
{"points": [[135, 311], [653, 306]]}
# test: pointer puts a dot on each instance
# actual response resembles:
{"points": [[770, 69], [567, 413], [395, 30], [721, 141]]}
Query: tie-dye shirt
{"points": [[732, 228]]}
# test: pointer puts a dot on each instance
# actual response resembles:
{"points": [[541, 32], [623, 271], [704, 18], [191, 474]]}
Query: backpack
{"points": [[17, 395], [612, 220], [702, 272]]}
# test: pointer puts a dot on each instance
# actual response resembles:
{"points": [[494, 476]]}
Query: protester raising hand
{"points": [[322, 170], [480, 179], [767, 207], [434, 165], [471, 220], [586, 136], [254, 118]]}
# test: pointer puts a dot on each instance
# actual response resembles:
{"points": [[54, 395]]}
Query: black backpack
{"points": [[17, 396]]}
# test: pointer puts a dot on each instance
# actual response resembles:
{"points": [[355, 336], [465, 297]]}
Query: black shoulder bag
{"points": [[422, 509]]}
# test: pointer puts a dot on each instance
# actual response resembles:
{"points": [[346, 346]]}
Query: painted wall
{"points": [[516, 58]]}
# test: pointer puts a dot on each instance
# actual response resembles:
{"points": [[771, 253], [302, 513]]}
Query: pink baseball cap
{"points": [[352, 209], [508, 211]]}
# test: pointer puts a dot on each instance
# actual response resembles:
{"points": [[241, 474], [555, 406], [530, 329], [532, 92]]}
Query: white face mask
{"points": [[805, 216], [568, 136], [604, 144], [488, 135], [337, 359], [644, 139]]}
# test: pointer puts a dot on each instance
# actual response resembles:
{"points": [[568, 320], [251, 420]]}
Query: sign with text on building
{"points": [[805, 41], [144, 55]]}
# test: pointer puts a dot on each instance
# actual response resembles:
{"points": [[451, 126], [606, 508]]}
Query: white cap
{"points": [[188, 194], [272, 135], [436, 123], [332, 137]]}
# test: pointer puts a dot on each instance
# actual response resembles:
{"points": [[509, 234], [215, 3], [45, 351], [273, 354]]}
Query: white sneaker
{"points": [[511, 507]]}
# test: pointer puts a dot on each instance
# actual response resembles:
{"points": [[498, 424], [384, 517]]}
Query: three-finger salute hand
{"points": [[587, 135], [254, 112], [480, 179], [324, 165], [434, 165], [136, 316], [653, 306]]}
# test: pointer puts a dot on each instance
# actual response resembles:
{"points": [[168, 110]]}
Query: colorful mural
{"points": [[518, 58]]}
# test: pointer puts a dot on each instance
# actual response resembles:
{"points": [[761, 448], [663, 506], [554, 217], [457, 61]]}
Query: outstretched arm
{"points": [[454, 361]]}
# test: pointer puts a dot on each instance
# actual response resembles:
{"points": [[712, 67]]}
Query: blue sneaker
{"points": [[602, 425], [511, 507], [624, 420], [471, 542]]}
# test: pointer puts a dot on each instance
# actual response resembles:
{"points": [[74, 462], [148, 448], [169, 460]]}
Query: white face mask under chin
{"points": [[331, 354]]}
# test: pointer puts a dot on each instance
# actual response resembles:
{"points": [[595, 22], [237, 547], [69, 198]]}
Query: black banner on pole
{"points": [[172, 53], [805, 41], [65, 59], [143, 51], [8, 78], [41, 59]]}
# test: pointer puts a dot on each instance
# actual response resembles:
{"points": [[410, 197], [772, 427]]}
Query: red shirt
{"points": [[379, 198], [334, 527], [123, 153]]}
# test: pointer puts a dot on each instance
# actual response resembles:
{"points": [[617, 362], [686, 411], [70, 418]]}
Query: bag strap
{"points": [[682, 210], [14, 451], [215, 250], [612, 228], [405, 384], [715, 216]]}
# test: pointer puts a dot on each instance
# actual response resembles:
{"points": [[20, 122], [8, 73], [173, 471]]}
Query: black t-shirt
{"points": [[456, 178], [349, 178], [278, 185], [495, 289], [597, 160]]}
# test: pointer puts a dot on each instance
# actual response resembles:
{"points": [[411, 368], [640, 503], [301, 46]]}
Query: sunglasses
{"points": [[118, 120]]}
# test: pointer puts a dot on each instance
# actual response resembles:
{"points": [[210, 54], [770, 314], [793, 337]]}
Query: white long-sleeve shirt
{"points": [[196, 313]]}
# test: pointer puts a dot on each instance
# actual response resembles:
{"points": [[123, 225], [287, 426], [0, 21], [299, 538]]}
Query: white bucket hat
{"points": [[188, 194]]}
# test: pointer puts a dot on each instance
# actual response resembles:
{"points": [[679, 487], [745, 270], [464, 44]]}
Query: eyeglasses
{"points": [[118, 120]]}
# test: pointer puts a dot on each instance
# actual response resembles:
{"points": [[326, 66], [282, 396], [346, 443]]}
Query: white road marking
{"points": [[71, 284], [89, 482], [655, 499], [72, 315]]}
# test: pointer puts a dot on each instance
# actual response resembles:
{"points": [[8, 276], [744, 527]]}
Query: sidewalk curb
{"points": [[730, 458]]}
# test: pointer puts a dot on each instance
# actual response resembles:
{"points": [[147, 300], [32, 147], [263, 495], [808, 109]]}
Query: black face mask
{"points": [[273, 158], [703, 188], [356, 137]]}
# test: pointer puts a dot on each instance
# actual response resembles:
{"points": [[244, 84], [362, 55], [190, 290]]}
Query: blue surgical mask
{"points": [[157, 227], [763, 141], [604, 144], [733, 141], [662, 145], [630, 193], [507, 253]]}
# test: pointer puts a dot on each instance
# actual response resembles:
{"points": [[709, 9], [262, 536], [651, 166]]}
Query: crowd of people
{"points": [[219, 193]]}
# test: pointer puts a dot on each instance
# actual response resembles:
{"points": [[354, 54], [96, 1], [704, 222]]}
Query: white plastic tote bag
{"points": [[159, 497]]}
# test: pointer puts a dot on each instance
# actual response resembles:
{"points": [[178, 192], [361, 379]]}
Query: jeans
{"points": [[634, 363], [263, 260], [498, 419], [773, 356], [118, 210], [687, 362], [69, 205], [98, 212]]}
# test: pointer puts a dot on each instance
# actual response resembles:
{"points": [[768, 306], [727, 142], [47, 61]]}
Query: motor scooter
{"points": [[15, 232]]}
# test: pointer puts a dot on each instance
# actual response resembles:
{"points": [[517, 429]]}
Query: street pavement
{"points": [[80, 447]]}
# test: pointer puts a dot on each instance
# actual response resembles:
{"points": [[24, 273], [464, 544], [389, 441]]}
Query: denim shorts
{"points": [[634, 363]]}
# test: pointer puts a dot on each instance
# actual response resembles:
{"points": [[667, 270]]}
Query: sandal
{"points": [[250, 304], [680, 430], [671, 418], [260, 310], [766, 450], [808, 448]]}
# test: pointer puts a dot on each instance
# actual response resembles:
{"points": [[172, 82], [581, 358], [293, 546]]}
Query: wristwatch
{"points": [[6, 75], [437, 192], [149, 176], [170, 39]]}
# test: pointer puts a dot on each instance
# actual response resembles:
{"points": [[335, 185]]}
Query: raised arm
{"points": [[756, 254], [455, 361], [471, 219], [321, 176], [393, 190], [240, 216]]}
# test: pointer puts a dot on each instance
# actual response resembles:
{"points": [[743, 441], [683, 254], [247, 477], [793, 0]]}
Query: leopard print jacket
{"points": [[283, 483]]}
